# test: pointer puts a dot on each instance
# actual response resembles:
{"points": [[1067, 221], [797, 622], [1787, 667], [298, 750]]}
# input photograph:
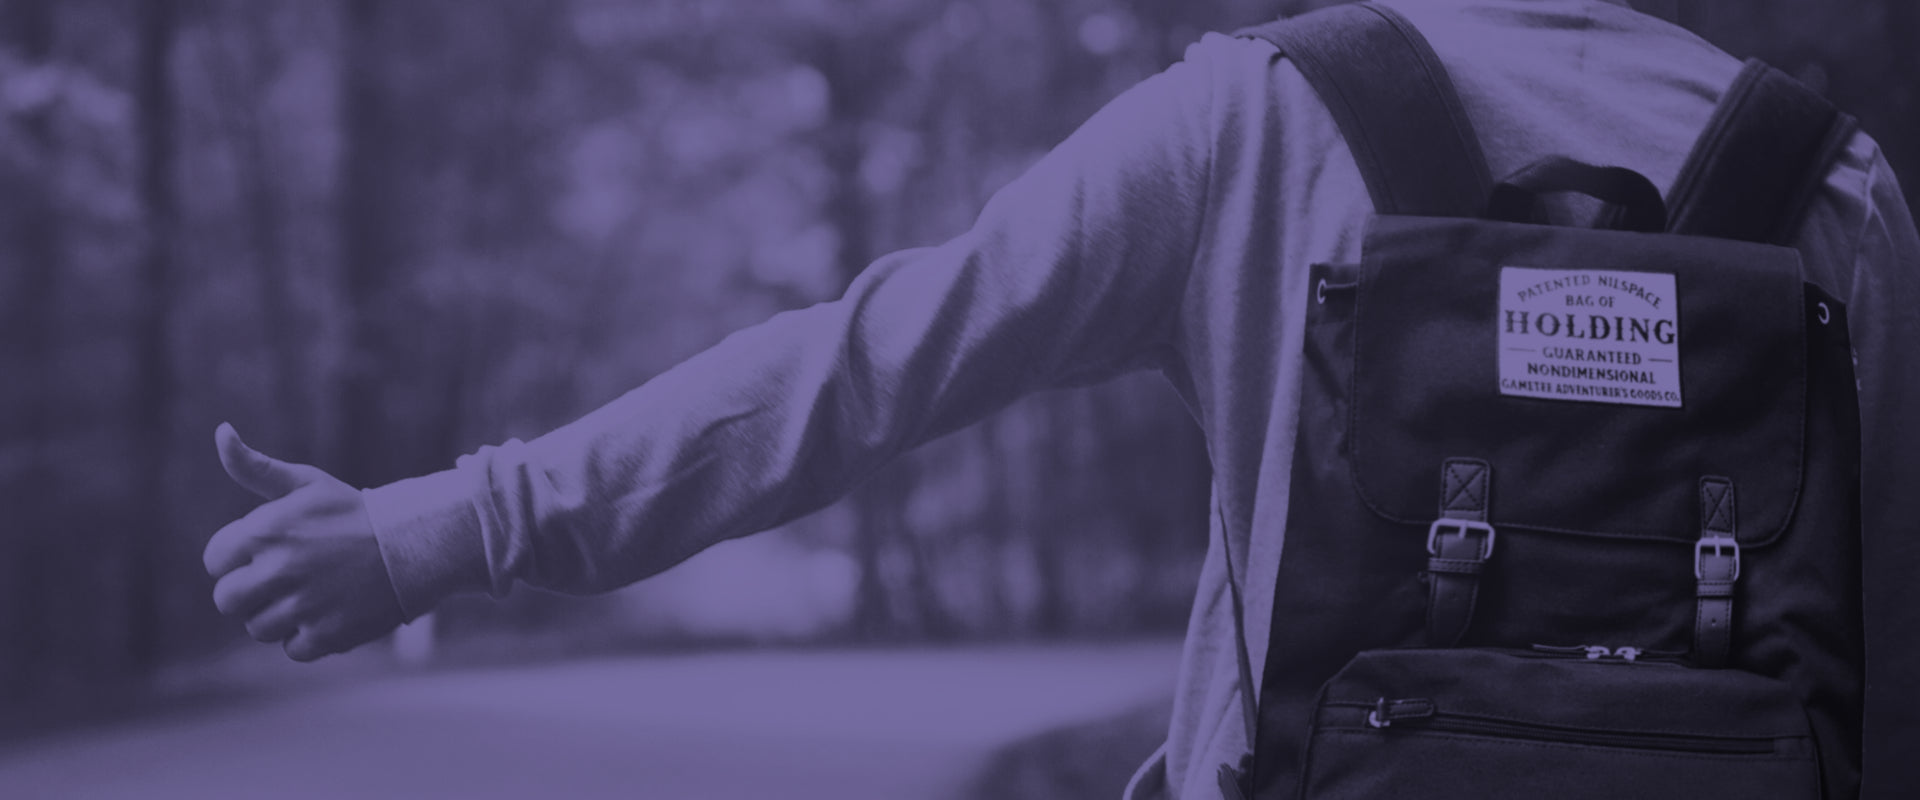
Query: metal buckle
{"points": [[1722, 546], [1460, 527]]}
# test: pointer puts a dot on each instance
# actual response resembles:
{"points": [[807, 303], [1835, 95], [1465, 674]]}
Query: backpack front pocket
{"points": [[1494, 724]]}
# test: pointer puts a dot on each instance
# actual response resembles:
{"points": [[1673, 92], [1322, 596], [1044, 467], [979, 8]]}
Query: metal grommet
{"points": [[1320, 292], [1825, 316]]}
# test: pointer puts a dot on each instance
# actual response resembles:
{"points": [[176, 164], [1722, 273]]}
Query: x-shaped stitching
{"points": [[1717, 496], [1465, 481]]}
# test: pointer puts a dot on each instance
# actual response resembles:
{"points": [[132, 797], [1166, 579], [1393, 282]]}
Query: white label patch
{"points": [[1595, 335]]}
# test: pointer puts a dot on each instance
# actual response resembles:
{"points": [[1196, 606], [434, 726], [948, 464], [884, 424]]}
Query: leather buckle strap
{"points": [[1460, 529], [1716, 569], [1458, 545], [1716, 555]]}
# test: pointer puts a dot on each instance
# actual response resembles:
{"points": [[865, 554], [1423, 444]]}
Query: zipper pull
{"points": [[1595, 652], [1386, 712]]}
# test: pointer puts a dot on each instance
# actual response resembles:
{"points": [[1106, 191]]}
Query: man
{"points": [[1172, 232]]}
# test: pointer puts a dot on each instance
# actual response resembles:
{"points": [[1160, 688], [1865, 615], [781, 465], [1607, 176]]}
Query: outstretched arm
{"points": [[1073, 273]]}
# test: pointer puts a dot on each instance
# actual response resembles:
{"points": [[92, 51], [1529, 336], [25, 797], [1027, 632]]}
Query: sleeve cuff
{"points": [[429, 537]]}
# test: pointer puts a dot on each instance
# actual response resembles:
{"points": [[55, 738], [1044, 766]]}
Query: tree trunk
{"points": [[1053, 612], [153, 386], [931, 617], [996, 527], [369, 220], [26, 342]]}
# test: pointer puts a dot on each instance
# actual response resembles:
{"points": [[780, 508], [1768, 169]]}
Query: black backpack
{"points": [[1574, 511]]}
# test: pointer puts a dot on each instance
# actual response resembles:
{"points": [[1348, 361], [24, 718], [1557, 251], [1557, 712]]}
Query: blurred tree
{"points": [[372, 216], [150, 523], [33, 222]]}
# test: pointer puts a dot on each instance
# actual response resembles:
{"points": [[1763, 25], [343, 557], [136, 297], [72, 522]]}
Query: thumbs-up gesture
{"points": [[304, 568]]}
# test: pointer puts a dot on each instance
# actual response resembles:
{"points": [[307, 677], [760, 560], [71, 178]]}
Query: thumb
{"points": [[257, 472]]}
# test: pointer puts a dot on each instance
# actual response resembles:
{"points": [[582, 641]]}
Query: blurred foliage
{"points": [[377, 235]]}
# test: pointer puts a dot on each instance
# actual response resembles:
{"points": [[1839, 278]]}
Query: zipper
{"points": [[1595, 652], [1423, 714]]}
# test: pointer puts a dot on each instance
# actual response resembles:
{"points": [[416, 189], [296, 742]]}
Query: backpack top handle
{"points": [[1634, 201]]}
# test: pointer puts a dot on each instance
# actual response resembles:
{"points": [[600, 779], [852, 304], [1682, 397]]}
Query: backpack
{"points": [[1574, 511]]}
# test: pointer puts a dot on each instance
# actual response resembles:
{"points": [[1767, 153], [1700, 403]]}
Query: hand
{"points": [[303, 568]]}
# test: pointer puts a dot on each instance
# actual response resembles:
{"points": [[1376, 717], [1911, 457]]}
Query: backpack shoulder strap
{"points": [[1753, 173], [1417, 152], [1395, 106], [1765, 153]]}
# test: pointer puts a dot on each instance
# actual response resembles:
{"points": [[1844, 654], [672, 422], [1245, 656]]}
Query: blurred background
{"points": [[375, 236]]}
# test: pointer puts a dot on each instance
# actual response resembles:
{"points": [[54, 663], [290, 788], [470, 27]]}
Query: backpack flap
{"points": [[1547, 352]]}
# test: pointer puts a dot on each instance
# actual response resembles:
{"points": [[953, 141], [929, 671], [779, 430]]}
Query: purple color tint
{"points": [[403, 232]]}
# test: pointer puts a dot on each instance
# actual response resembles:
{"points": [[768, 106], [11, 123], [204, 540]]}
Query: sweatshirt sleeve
{"points": [[1883, 313], [1072, 273]]}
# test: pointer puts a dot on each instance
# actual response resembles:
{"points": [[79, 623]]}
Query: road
{"points": [[801, 725]]}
